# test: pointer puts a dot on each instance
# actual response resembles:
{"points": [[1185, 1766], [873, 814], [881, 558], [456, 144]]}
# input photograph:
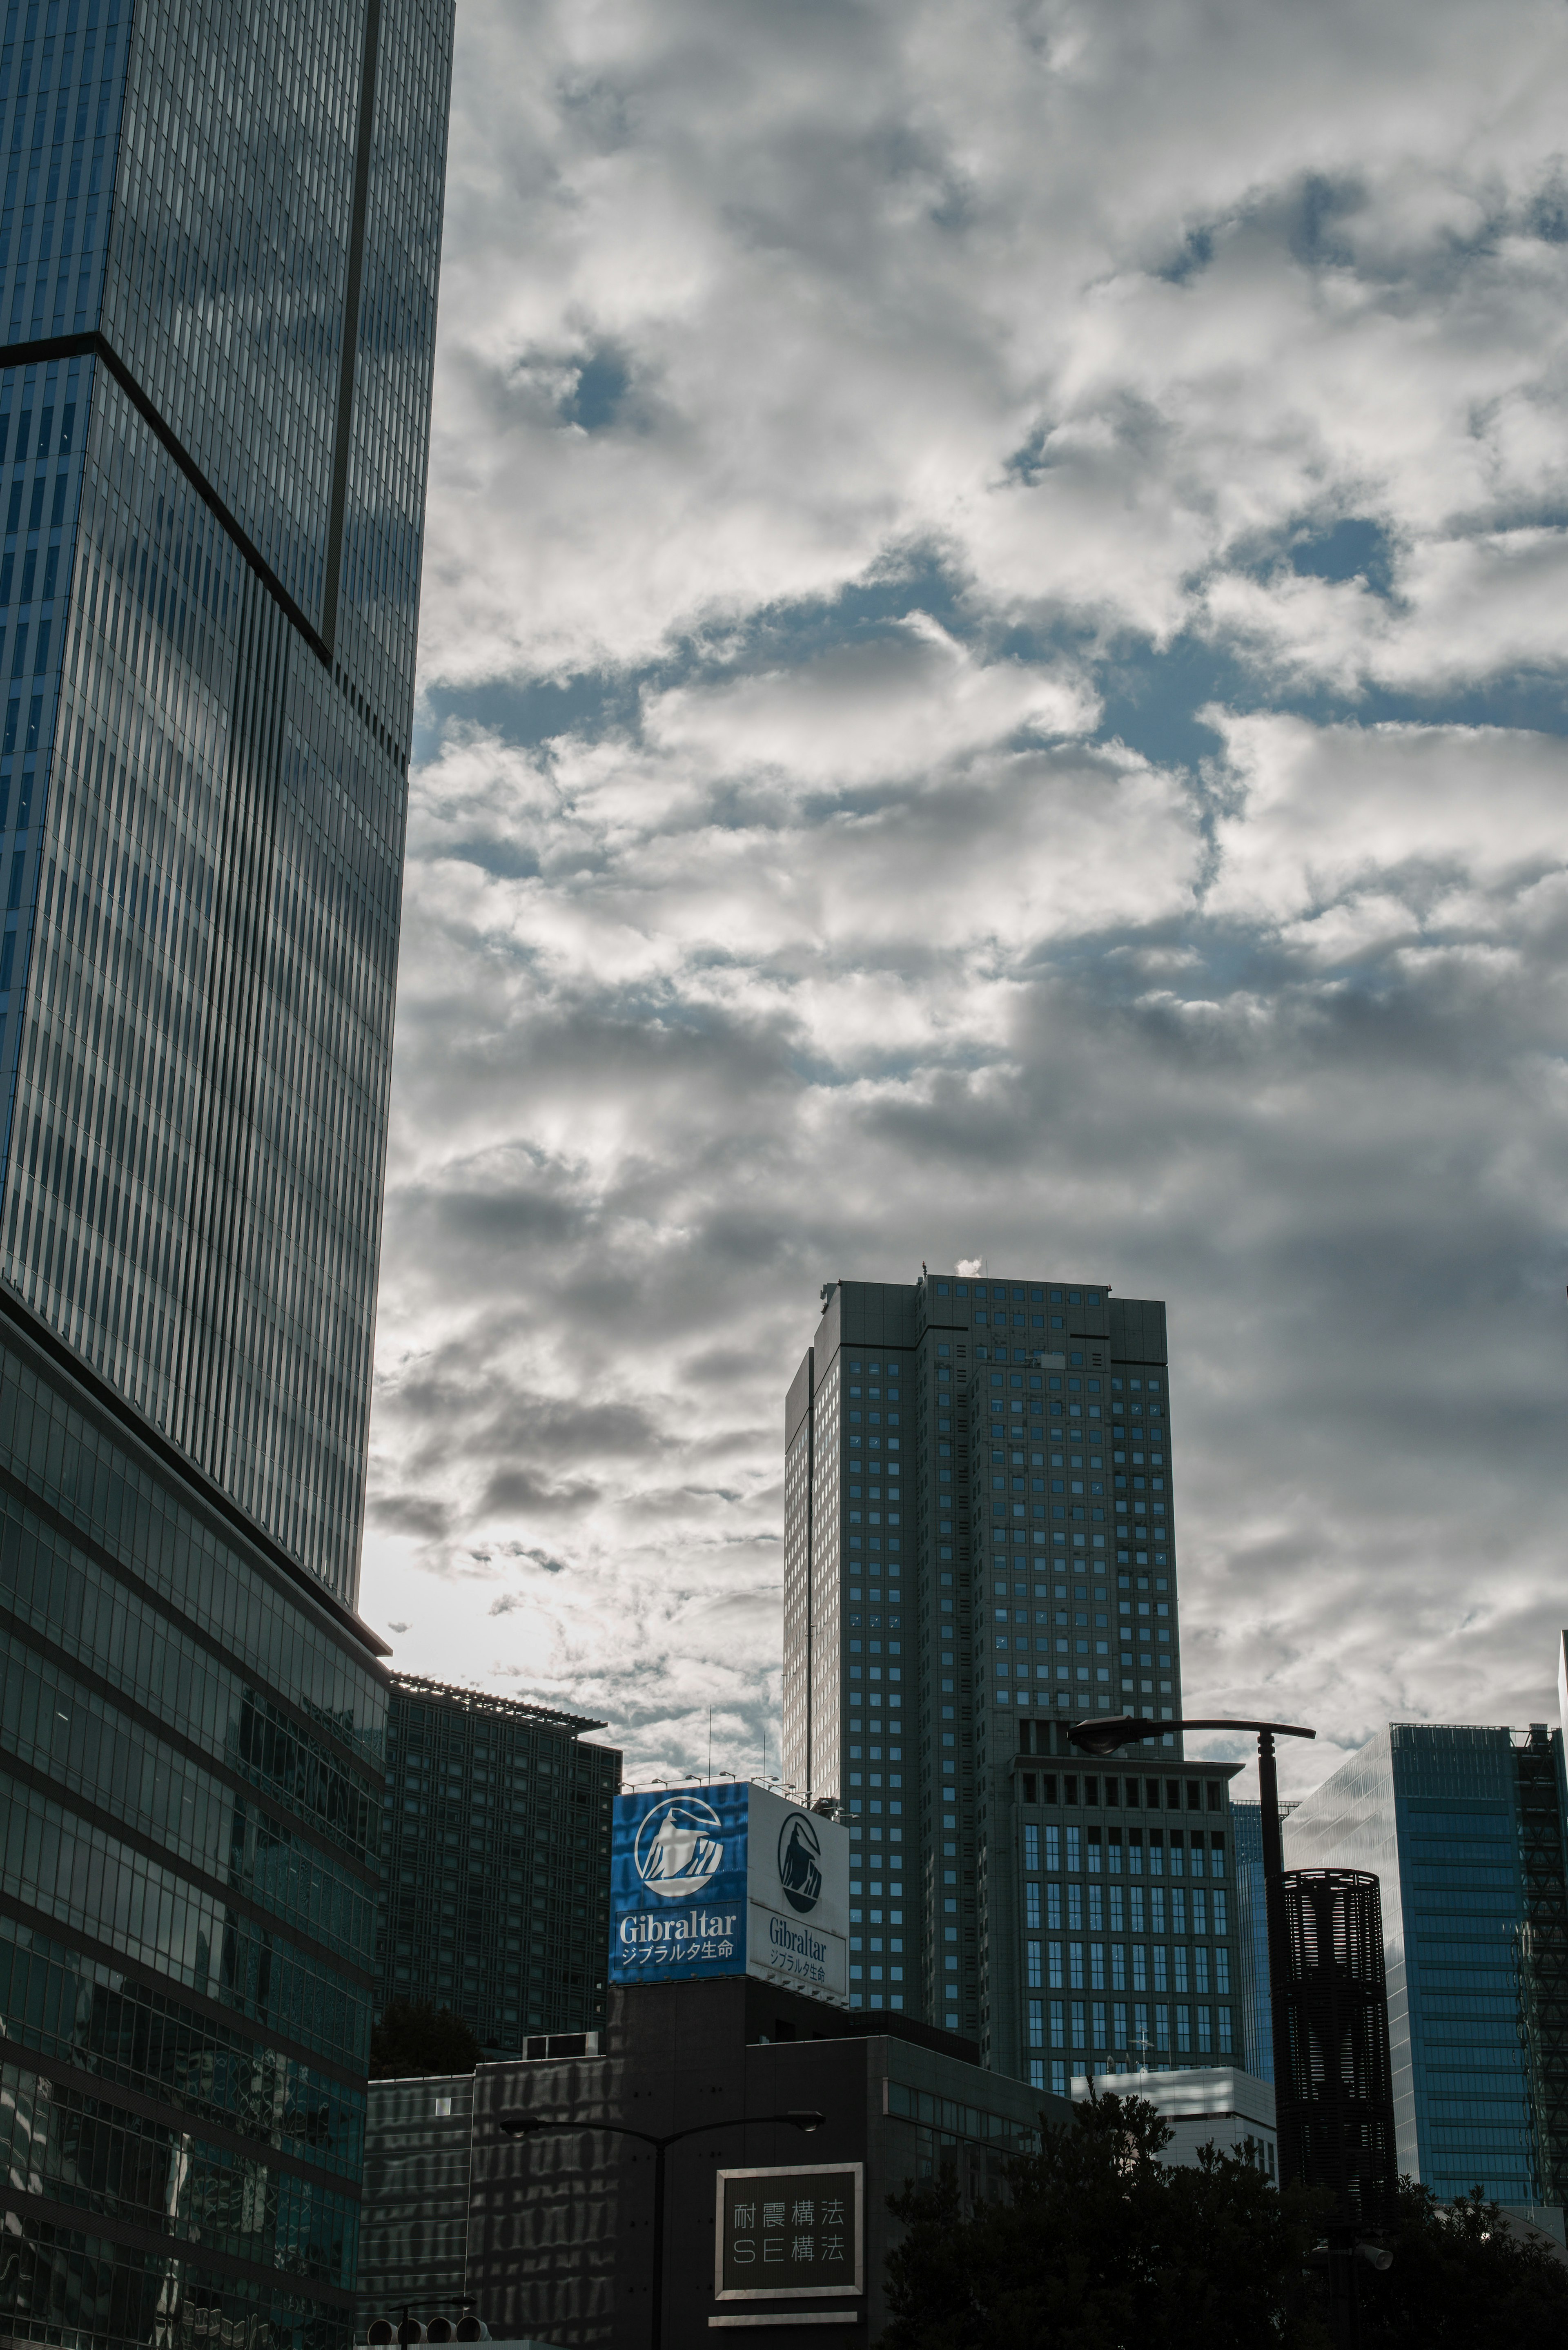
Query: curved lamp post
{"points": [[1104, 1737], [516, 2123]]}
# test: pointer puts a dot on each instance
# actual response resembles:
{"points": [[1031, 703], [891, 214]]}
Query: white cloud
{"points": [[844, 401]]}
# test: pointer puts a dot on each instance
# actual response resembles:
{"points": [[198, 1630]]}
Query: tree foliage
{"points": [[413, 2037], [1100, 2245], [1458, 2279]]}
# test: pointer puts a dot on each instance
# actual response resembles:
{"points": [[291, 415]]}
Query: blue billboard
{"points": [[729, 1880]]}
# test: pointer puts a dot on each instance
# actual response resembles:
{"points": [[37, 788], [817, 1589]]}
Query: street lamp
{"points": [[516, 2123], [1102, 1738]]}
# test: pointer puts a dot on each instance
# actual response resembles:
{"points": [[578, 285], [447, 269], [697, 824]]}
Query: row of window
{"points": [[1089, 1848], [1098, 2023], [1001, 1291], [1064, 1967], [1067, 1903]]}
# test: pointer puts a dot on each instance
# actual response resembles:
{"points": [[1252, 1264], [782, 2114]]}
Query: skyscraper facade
{"points": [[979, 1548], [496, 1861], [1465, 1828], [219, 243]]}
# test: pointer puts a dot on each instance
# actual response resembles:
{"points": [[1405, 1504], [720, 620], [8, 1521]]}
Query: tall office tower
{"points": [[497, 1863], [980, 1549], [1465, 1828], [218, 253]]}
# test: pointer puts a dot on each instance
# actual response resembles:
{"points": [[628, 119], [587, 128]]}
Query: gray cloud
{"points": [[1018, 711]]}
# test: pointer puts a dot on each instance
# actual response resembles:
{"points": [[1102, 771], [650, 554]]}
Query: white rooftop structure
{"points": [[1216, 2104]]}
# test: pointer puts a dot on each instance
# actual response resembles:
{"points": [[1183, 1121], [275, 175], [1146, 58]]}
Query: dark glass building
{"points": [[497, 1861], [219, 242], [979, 1548], [1465, 1828], [1252, 1938]]}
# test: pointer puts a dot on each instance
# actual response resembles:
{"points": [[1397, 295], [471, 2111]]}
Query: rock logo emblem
{"points": [[679, 1846], [800, 1850]]}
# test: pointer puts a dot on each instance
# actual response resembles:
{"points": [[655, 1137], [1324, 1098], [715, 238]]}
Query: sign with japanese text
{"points": [[729, 1880], [796, 2233]]}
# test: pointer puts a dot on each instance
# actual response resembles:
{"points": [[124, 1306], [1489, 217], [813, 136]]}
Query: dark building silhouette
{"points": [[497, 1862]]}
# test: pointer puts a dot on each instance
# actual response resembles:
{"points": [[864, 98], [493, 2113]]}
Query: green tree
{"points": [[1100, 2245], [1459, 2277], [413, 2037]]}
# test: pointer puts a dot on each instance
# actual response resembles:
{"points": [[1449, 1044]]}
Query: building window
{"points": [[1032, 1848], [1183, 2031], [1032, 1951], [1078, 2040], [1099, 2023], [1036, 2024], [1205, 2034], [1058, 2025], [1037, 2072], [1055, 1957], [1225, 2032]]}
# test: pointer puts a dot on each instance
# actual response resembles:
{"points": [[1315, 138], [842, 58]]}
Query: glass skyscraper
{"points": [[219, 243], [1465, 1828], [979, 1548], [496, 1856]]}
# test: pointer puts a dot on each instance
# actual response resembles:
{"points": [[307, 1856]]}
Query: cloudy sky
{"points": [[992, 671]]}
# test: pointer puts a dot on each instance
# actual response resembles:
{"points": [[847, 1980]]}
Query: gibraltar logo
{"points": [[680, 1845], [800, 1849]]}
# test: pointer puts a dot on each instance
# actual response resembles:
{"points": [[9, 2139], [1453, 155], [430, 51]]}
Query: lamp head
{"points": [[805, 2118], [1102, 1738], [513, 2122]]}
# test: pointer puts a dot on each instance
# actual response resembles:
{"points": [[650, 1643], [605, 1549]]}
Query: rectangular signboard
{"points": [[726, 1880], [795, 2233]]}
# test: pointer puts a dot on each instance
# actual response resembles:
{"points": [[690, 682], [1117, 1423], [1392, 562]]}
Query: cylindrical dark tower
{"points": [[1332, 2074]]}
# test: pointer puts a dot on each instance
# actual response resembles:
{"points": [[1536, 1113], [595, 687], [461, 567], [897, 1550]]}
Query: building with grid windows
{"points": [[219, 245], [1465, 1829], [980, 1549], [496, 1860]]}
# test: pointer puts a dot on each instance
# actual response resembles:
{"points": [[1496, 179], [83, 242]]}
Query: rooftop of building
{"points": [[499, 1708]]}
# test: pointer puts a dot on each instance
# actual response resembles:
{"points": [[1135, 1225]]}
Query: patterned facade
{"points": [[979, 1548], [219, 243], [214, 496], [497, 1859]]}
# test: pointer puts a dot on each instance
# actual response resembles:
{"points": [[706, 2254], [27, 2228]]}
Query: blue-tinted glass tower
{"points": [[219, 243], [1465, 1828]]}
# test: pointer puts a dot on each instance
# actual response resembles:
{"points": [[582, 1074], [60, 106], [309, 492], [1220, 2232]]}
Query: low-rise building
{"points": [[765, 2224], [1211, 2105]]}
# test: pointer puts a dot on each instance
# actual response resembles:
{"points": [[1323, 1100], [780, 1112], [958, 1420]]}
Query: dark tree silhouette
{"points": [[413, 2037], [1460, 2282], [1099, 2244]]}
